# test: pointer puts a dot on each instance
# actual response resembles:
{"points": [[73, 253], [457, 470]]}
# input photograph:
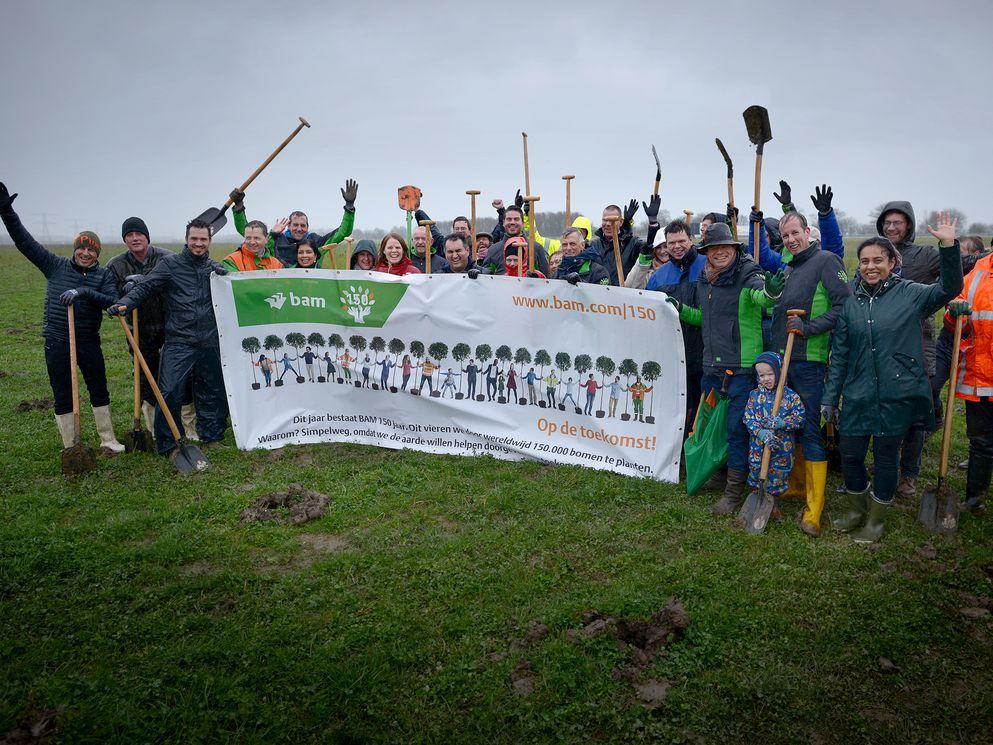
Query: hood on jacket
{"points": [[773, 360], [583, 223], [904, 208], [775, 236], [363, 246]]}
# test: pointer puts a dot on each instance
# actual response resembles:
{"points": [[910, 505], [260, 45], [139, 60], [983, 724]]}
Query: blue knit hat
{"points": [[773, 360]]}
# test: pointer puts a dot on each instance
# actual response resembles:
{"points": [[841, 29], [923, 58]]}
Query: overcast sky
{"points": [[159, 109]]}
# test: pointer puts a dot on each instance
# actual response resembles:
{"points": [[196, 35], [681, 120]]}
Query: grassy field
{"points": [[137, 607]]}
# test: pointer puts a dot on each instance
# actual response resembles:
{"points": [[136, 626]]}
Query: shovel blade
{"points": [[138, 440], [747, 511], [189, 459], [409, 198], [658, 163], [927, 514], [78, 460], [756, 511], [215, 218], [727, 157], [757, 124], [948, 513]]}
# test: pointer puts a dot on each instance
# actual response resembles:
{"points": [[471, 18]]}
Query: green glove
{"points": [[958, 308], [774, 283]]}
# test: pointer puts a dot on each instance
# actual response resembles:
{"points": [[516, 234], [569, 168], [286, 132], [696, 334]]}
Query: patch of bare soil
{"points": [[536, 632], [34, 727], [197, 569], [296, 506], [522, 678], [33, 404], [323, 543]]}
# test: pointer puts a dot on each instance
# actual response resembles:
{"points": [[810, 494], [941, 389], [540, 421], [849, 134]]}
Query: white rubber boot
{"points": [[189, 417], [148, 413], [66, 428], [105, 428]]}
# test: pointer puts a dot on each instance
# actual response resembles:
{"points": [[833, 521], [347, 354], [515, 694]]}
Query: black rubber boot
{"points": [[875, 520], [734, 494], [853, 505], [977, 482]]}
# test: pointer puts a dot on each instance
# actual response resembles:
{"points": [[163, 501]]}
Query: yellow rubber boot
{"points": [[797, 486], [816, 477]]}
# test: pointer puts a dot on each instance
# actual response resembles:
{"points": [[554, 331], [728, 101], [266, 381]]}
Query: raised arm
{"points": [[36, 253]]}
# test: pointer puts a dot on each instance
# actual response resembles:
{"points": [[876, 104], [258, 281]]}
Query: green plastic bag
{"points": [[706, 450]]}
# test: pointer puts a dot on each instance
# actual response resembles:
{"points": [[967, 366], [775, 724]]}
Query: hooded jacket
{"points": [[551, 245], [96, 285], [363, 246], [877, 370], [729, 310], [183, 282], [817, 284], [284, 246], [152, 323]]}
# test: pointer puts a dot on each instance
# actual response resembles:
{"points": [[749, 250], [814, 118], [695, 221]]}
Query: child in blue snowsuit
{"points": [[778, 432]]}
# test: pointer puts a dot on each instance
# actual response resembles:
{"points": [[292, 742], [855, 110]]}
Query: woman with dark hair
{"points": [[393, 258], [308, 254], [877, 373]]}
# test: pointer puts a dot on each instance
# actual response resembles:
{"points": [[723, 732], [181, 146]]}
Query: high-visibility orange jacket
{"points": [[974, 378], [244, 260]]}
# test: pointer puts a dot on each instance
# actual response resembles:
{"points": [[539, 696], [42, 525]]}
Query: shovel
{"points": [[727, 159], [186, 458], [759, 132], [138, 439], [758, 507], [409, 199], [531, 199], [658, 172], [939, 509], [473, 193], [615, 223], [77, 459], [527, 166], [215, 217], [568, 200]]}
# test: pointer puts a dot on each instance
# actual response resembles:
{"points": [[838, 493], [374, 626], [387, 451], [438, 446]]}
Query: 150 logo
{"points": [[300, 300]]}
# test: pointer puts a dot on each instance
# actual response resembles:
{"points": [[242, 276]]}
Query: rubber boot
{"points": [[816, 480], [66, 428], [907, 488], [797, 484], [977, 483], [105, 428], [148, 414], [734, 492], [875, 520], [854, 505], [189, 416]]}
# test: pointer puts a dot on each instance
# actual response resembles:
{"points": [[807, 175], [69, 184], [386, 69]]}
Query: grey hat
{"points": [[718, 234]]}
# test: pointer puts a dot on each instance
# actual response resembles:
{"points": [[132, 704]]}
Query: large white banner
{"points": [[502, 366]]}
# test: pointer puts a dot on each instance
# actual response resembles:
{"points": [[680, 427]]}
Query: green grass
{"points": [[139, 602]]}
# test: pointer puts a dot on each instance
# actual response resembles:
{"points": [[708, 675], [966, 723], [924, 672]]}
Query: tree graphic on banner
{"points": [[650, 372], [296, 340], [417, 350], [396, 347], [338, 343], [273, 344], [460, 353], [628, 368], [250, 345], [605, 366], [522, 357]]}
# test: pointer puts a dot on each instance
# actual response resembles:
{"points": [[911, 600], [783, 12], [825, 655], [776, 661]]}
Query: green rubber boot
{"points": [[854, 505], [872, 531]]}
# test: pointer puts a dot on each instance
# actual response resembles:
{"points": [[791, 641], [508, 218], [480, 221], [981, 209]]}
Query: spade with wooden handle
{"points": [[759, 132], [527, 166], [473, 193], [409, 199], [426, 224], [658, 171], [727, 160], [77, 459], [615, 226], [215, 217], [531, 199], [138, 439], [568, 200]]}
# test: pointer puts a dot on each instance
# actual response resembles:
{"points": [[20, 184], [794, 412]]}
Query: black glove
{"points": [[6, 198], [755, 216], [786, 198], [533, 275], [237, 200], [732, 213], [135, 279], [519, 200], [473, 273], [794, 325], [349, 193], [117, 310], [219, 270], [69, 297], [652, 208], [630, 211], [821, 198], [674, 302], [647, 249], [572, 278]]}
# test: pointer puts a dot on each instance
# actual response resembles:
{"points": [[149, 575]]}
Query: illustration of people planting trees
{"points": [[318, 342], [396, 347], [605, 366], [250, 345], [338, 343], [504, 355], [273, 344], [359, 344], [459, 353], [417, 351], [483, 353], [296, 340], [522, 357], [439, 352]]}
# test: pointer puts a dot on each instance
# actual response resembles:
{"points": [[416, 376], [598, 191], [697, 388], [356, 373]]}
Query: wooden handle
{"points": [[334, 262], [303, 123], [348, 251], [568, 178], [534, 226], [689, 217], [731, 217], [527, 168], [473, 193], [568, 200], [77, 431], [946, 434], [617, 249], [151, 381], [426, 224], [758, 197], [137, 369], [766, 451]]}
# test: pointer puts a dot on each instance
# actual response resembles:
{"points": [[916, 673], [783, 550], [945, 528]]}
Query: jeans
{"points": [[885, 452], [692, 399], [180, 364], [426, 379], [89, 358], [741, 385], [472, 387], [590, 398], [807, 379], [911, 450]]}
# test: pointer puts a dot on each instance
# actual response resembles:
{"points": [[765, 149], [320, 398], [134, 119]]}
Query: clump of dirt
{"points": [[652, 692], [300, 505], [323, 543], [522, 678], [536, 632], [34, 727], [886, 665], [33, 404]]}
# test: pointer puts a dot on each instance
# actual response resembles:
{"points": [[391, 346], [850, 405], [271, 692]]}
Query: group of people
{"points": [[865, 357]]}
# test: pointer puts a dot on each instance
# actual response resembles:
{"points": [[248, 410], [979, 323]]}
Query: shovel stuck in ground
{"points": [[137, 439], [77, 459]]}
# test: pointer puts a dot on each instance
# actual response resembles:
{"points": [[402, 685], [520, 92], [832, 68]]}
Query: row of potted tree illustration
{"points": [[359, 369]]}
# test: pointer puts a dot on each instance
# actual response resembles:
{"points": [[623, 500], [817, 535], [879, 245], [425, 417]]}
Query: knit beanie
{"points": [[89, 239], [135, 225]]}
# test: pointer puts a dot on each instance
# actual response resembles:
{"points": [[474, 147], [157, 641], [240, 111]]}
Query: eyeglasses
{"points": [[894, 223]]}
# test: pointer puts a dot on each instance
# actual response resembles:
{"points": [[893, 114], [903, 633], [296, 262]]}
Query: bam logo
{"points": [[277, 301], [357, 303]]}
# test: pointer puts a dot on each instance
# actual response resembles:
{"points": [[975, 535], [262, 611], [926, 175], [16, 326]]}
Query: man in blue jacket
{"points": [[831, 238], [89, 288]]}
